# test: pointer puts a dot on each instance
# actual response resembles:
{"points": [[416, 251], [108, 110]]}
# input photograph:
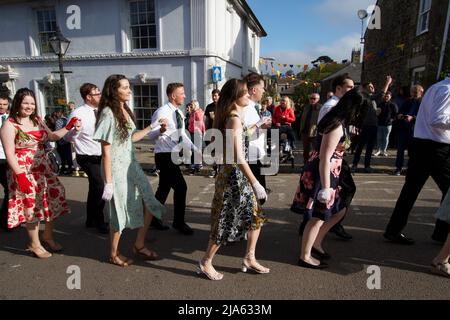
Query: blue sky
{"points": [[300, 31]]}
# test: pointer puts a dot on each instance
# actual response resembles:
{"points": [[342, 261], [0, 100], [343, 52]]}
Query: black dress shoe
{"points": [[339, 231], [183, 228], [304, 264], [399, 238], [320, 255], [158, 225]]}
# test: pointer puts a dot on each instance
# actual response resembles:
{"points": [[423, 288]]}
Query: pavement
{"points": [[365, 268]]}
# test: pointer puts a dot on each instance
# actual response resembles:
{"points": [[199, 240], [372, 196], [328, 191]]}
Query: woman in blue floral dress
{"points": [[318, 191], [130, 200]]}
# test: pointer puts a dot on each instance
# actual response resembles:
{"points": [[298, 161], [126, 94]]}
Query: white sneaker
{"points": [[377, 154], [385, 154]]}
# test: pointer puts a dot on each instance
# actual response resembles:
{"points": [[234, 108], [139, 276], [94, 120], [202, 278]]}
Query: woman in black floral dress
{"points": [[318, 192], [236, 214]]}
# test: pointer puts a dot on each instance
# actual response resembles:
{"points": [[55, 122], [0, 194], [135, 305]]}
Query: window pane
{"points": [[142, 18], [135, 43], [145, 91], [152, 43], [144, 43], [144, 31], [152, 30], [134, 32], [133, 7], [154, 91], [134, 19], [142, 6], [151, 17], [151, 5]]}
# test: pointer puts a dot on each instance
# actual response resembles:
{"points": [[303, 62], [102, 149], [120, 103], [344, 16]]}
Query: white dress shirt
{"points": [[168, 140], [84, 145], [257, 143], [332, 102], [3, 118], [433, 119]]}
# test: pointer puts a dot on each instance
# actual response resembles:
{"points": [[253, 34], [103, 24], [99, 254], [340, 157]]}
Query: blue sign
{"points": [[216, 74]]}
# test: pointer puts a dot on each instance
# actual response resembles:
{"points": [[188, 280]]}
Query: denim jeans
{"points": [[383, 137]]}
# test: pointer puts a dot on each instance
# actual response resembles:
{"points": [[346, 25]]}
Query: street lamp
{"points": [[59, 45], [362, 14]]}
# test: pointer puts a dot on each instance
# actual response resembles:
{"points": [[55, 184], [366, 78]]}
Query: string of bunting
{"points": [[368, 55]]}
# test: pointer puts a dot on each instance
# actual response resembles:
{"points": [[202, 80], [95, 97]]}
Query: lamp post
{"points": [[59, 45], [362, 14]]}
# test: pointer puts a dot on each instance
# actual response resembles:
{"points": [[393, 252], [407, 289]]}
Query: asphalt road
{"points": [[404, 271]]}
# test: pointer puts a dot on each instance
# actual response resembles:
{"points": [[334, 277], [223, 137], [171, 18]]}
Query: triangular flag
{"points": [[291, 65], [401, 46], [278, 64], [299, 66], [260, 61], [278, 73], [284, 65], [305, 67]]}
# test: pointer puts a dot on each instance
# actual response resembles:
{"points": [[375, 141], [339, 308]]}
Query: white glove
{"points": [[108, 192], [259, 190], [324, 195], [264, 120]]}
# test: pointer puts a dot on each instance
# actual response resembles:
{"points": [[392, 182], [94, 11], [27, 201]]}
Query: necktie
{"points": [[179, 125]]}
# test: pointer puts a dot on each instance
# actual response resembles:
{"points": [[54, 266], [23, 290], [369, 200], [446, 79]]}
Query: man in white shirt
{"points": [[253, 122], [4, 107], [429, 156], [89, 155], [168, 138]]}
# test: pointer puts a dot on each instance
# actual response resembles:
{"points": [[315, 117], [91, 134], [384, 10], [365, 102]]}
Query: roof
{"points": [[353, 69], [247, 14]]}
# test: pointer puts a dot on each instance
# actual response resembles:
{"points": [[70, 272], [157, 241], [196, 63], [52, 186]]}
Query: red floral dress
{"points": [[47, 201], [305, 198]]}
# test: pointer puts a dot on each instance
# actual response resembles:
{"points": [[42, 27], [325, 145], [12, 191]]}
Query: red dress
{"points": [[47, 201]]}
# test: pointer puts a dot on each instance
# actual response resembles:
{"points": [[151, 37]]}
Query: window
{"points": [[418, 75], [424, 16], [146, 101], [46, 19], [53, 97], [143, 24]]}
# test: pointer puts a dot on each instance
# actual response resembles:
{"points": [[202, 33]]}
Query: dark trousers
{"points": [[290, 134], [65, 153], [427, 158], [405, 138], [4, 183], [94, 207], [368, 138], [256, 170], [170, 177], [307, 142]]}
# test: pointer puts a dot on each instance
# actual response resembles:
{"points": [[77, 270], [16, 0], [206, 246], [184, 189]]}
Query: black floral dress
{"points": [[234, 209], [305, 198]]}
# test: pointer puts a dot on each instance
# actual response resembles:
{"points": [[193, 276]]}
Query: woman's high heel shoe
{"points": [[39, 252], [215, 277], [250, 263]]}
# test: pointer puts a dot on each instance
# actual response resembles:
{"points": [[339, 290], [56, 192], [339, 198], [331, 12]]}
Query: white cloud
{"points": [[339, 50], [341, 12]]}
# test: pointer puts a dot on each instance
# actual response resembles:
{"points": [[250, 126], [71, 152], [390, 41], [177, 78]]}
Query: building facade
{"points": [[152, 42], [412, 45]]}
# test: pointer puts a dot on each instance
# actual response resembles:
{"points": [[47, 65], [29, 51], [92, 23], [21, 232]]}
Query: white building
{"points": [[152, 42]]}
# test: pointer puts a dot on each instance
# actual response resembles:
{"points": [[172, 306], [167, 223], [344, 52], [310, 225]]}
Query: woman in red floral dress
{"points": [[35, 193], [318, 192]]}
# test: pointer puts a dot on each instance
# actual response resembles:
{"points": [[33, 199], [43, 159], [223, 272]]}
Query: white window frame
{"points": [[424, 13], [415, 71], [38, 31], [147, 83], [129, 33]]}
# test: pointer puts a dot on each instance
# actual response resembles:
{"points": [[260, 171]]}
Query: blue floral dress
{"points": [[234, 209], [131, 187], [305, 198]]}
